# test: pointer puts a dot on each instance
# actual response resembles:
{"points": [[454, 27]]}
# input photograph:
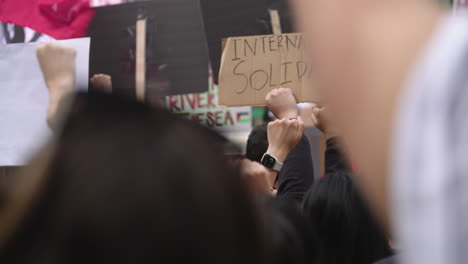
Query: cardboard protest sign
{"points": [[202, 108], [253, 66], [176, 50], [228, 18]]}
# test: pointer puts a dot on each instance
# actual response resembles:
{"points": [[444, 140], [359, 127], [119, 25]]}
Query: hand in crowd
{"points": [[257, 176], [57, 63], [321, 120], [283, 136], [282, 103], [102, 82]]}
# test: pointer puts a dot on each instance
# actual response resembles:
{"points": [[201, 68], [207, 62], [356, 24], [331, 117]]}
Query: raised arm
{"points": [[297, 173], [335, 158], [57, 63]]}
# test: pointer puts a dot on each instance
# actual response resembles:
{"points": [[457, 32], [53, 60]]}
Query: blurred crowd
{"points": [[124, 182]]}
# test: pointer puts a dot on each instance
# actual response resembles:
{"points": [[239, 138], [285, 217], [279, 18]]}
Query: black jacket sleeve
{"points": [[297, 174], [334, 158]]}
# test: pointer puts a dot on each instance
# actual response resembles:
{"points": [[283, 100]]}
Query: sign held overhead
{"points": [[253, 66]]}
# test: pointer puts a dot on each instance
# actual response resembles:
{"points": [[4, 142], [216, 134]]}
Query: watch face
{"points": [[268, 161]]}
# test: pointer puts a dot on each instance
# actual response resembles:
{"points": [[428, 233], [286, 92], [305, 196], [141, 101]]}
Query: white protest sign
{"points": [[24, 98]]}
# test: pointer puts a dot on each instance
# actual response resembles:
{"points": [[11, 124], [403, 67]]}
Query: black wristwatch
{"points": [[271, 162]]}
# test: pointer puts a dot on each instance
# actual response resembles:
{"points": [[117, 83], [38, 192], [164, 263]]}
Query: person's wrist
{"points": [[59, 87], [293, 113], [61, 83], [279, 153]]}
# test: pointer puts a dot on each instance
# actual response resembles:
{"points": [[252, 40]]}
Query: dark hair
{"points": [[293, 238], [347, 232], [131, 185], [257, 143]]}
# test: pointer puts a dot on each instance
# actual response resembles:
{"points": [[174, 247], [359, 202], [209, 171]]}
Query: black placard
{"points": [[176, 48]]}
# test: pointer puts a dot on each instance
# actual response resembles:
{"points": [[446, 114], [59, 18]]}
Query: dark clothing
{"points": [[293, 238], [334, 158], [257, 143], [297, 174], [390, 260]]}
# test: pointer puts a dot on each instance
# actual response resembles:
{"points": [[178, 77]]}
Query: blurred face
{"points": [[360, 52], [331, 28]]}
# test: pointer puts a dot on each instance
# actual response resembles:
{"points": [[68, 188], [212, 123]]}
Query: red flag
{"points": [[61, 19]]}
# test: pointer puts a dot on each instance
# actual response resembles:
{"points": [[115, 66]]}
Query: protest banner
{"points": [[66, 19], [176, 53], [202, 108], [253, 66]]}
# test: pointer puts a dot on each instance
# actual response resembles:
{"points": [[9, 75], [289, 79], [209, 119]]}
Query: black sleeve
{"points": [[297, 174], [389, 260], [334, 158]]}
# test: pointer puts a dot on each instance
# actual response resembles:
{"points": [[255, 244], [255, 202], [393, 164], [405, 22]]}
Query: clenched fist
{"points": [[283, 136], [102, 82], [282, 103], [57, 63], [58, 66]]}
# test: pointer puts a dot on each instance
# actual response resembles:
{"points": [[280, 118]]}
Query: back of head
{"points": [[293, 238], [257, 143], [127, 184], [347, 231]]}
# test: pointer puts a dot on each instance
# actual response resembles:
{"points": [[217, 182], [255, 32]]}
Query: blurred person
{"points": [[389, 260], [124, 187], [122, 184], [347, 232], [347, 43], [393, 75], [294, 240]]}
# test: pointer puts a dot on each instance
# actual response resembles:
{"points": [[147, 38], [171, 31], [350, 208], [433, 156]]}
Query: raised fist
{"points": [[57, 63], [283, 136], [282, 103]]}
